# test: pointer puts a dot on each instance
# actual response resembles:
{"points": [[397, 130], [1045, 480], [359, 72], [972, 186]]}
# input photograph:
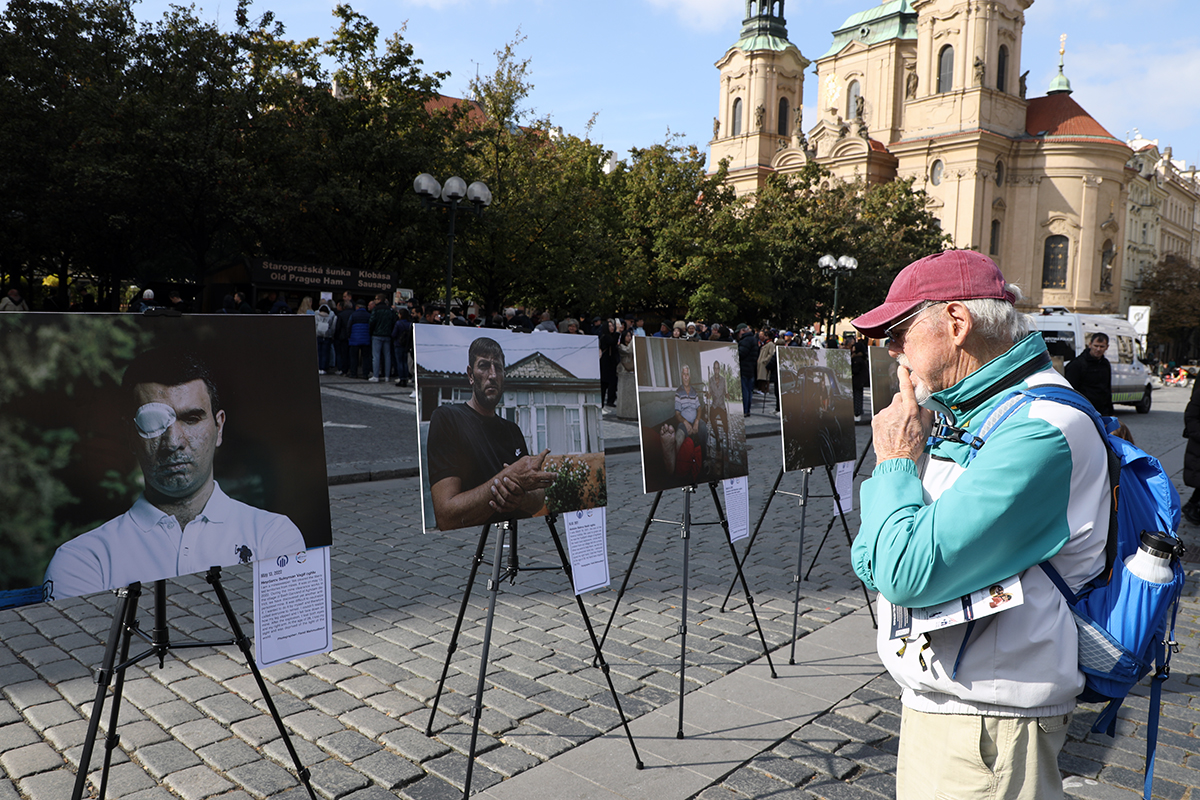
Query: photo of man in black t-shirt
{"points": [[480, 469]]}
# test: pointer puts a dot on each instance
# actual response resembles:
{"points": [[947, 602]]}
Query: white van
{"points": [[1067, 335]]}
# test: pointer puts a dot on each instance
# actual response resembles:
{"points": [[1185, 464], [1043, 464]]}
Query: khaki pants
{"points": [[964, 757]]}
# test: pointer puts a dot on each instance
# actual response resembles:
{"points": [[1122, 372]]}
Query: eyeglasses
{"points": [[896, 334]]}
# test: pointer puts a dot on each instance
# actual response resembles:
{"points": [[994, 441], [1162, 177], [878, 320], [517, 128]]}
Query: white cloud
{"points": [[1144, 85], [704, 15]]}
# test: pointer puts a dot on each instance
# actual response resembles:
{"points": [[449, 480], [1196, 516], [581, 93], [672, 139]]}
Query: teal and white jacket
{"points": [[941, 528]]}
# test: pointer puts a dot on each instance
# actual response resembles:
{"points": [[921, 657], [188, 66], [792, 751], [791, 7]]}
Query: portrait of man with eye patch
{"points": [[182, 522]]}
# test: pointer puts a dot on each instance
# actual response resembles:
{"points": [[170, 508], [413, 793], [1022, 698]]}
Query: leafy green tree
{"points": [[801, 217], [73, 355], [1172, 290], [685, 241], [545, 240]]}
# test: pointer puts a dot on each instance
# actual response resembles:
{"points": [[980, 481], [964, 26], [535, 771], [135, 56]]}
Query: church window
{"points": [[1054, 263], [1002, 68], [935, 172], [852, 94], [945, 69], [737, 117], [994, 244], [782, 126], [999, 173]]}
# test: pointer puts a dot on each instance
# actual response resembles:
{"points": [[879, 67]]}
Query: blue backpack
{"points": [[1126, 625]]}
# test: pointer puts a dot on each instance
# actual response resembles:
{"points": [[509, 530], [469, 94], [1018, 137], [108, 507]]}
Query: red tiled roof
{"points": [[877, 146], [475, 114], [1059, 115]]}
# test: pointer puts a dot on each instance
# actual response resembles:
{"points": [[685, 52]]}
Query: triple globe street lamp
{"points": [[433, 194], [829, 264]]}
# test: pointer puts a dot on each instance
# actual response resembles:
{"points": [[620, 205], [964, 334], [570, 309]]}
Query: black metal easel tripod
{"points": [[510, 571], [685, 534], [804, 497], [124, 629]]}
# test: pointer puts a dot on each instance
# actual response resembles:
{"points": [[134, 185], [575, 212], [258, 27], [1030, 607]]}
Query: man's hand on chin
{"points": [[901, 429]]}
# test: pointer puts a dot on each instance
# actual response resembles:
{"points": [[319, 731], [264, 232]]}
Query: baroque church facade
{"points": [[933, 90]]}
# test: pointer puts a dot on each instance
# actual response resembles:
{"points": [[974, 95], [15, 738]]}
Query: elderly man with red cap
{"points": [[986, 705]]}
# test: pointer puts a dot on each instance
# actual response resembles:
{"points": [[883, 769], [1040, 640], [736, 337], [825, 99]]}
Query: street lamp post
{"points": [[434, 194], [836, 266]]}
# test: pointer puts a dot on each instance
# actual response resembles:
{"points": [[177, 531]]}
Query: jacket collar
{"points": [[1023, 359]]}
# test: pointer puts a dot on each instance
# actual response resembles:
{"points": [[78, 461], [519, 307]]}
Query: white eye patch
{"points": [[153, 419]]}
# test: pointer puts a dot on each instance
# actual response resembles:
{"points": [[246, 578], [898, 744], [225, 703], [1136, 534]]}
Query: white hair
{"points": [[999, 320]]}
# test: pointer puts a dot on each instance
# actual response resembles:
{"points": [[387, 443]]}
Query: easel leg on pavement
{"points": [[685, 535], [124, 628], [510, 571], [632, 561], [841, 514]]}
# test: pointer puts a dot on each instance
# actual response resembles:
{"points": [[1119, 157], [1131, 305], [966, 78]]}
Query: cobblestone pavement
{"points": [[196, 728]]}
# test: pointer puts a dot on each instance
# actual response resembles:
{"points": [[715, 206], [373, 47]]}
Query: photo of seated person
{"points": [[182, 522], [480, 469], [684, 391], [687, 430]]}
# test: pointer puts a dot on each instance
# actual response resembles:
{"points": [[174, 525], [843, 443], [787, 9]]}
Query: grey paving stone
{"points": [[538, 742], [753, 783], [783, 769], [371, 793], [69, 735], [124, 780], [199, 733], [388, 769], [29, 693], [163, 759], [30, 760], [809, 756], [147, 692], [334, 779], [452, 768], [263, 778], [16, 736], [227, 708], [363, 686], [431, 788], [197, 688], [197, 783], [48, 785], [413, 745], [394, 704], [313, 724], [228, 754], [348, 745], [507, 761], [174, 713], [369, 722]]}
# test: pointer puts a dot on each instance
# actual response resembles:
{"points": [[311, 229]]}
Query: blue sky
{"points": [[644, 67]]}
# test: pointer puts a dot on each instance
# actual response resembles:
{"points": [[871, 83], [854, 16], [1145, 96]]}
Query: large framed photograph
{"points": [[817, 401], [885, 383], [689, 412], [137, 448], [508, 424]]}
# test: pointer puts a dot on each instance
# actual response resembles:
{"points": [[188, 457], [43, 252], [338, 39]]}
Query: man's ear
{"points": [[959, 320], [219, 418]]}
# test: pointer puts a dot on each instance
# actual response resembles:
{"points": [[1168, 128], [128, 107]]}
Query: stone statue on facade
{"points": [[980, 69], [910, 84], [1024, 75], [716, 127], [759, 114]]}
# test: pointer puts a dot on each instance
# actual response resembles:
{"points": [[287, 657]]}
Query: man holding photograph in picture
{"points": [[480, 470]]}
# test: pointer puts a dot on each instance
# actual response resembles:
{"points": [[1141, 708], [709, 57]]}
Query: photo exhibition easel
{"points": [[685, 534], [124, 629], [804, 496], [510, 571]]}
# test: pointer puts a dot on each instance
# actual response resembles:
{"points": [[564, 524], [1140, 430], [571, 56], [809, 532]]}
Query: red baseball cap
{"points": [[950, 275]]}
